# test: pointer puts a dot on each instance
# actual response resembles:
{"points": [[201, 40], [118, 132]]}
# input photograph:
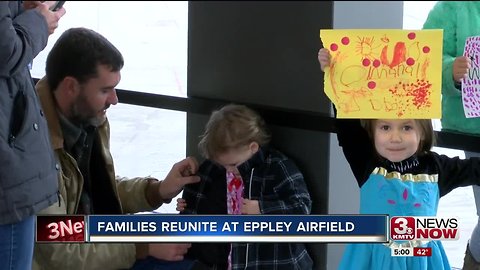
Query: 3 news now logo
{"points": [[60, 228], [423, 228]]}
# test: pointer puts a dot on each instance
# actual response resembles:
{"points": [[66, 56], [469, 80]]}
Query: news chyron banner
{"points": [[214, 228], [237, 228]]}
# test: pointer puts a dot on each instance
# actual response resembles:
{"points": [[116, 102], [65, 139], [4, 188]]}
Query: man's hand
{"points": [[34, 4], [181, 174], [461, 65], [52, 17], [168, 252]]}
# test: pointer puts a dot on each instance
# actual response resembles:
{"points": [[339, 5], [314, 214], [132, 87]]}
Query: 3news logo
{"points": [[423, 228], [60, 229]]}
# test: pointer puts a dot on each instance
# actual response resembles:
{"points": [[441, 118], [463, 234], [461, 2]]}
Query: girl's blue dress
{"points": [[397, 195], [408, 188]]}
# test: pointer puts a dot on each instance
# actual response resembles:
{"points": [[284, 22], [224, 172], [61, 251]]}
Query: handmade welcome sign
{"points": [[383, 73], [471, 84]]}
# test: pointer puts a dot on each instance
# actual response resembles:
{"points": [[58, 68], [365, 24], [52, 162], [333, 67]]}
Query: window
{"points": [[152, 37], [415, 13]]}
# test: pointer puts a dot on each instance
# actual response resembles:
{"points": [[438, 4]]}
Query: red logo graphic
{"points": [[60, 229], [402, 228]]}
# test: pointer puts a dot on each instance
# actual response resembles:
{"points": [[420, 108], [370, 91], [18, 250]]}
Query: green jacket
{"points": [[130, 196], [458, 20]]}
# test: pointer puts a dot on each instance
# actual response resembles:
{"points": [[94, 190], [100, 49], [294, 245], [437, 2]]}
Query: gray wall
{"points": [[343, 189]]}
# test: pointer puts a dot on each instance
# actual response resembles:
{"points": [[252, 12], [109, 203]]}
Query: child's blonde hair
{"points": [[231, 127], [426, 129]]}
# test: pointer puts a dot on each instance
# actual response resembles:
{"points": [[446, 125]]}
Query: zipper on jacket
{"points": [[58, 196], [249, 197], [18, 118], [11, 140]]}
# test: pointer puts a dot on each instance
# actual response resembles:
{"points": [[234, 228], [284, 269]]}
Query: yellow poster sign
{"points": [[386, 74]]}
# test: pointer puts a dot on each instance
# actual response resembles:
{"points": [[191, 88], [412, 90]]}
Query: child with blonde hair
{"points": [[398, 175], [243, 175]]}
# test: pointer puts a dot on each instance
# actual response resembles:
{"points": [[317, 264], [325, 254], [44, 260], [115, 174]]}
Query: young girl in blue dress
{"points": [[398, 175]]}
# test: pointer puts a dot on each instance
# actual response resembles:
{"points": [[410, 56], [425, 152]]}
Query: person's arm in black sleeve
{"points": [[455, 172], [356, 145]]}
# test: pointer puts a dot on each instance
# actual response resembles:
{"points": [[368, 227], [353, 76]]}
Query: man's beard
{"points": [[84, 115]]}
